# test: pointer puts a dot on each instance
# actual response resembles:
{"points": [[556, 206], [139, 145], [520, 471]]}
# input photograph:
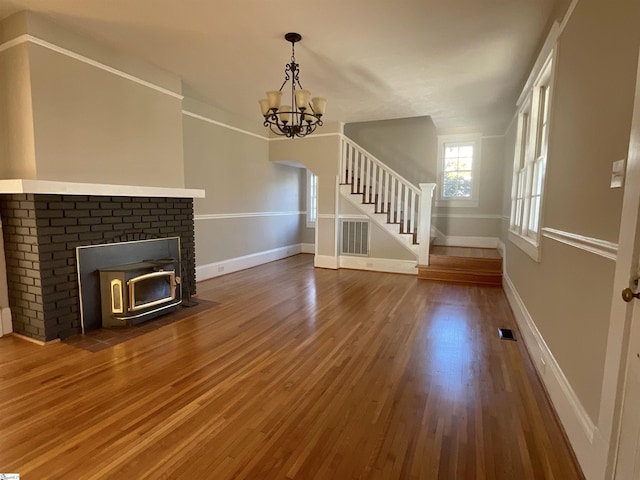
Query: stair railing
{"points": [[390, 193]]}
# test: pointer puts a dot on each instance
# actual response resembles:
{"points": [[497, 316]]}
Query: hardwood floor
{"points": [[298, 373]]}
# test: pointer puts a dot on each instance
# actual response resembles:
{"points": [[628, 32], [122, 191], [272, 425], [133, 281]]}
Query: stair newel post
{"points": [[424, 221]]}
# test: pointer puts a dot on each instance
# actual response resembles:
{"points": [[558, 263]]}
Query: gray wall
{"points": [[72, 121], [568, 293], [252, 204], [407, 145]]}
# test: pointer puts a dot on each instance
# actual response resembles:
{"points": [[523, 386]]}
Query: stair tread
{"points": [[430, 268], [472, 278]]}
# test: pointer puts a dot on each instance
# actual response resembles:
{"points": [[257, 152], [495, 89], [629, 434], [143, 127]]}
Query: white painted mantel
{"points": [[20, 185]]}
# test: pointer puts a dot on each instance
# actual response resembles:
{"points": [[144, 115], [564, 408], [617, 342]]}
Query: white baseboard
{"points": [[307, 248], [326, 261], [379, 264], [502, 249], [5, 321], [577, 424], [211, 270], [463, 241]]}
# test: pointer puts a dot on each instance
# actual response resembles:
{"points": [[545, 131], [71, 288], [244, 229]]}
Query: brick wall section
{"points": [[41, 233], [23, 264]]}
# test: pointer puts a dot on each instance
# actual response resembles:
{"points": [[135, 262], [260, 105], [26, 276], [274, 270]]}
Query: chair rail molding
{"points": [[217, 216], [596, 246]]}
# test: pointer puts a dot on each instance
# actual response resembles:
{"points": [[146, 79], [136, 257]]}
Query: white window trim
{"points": [[311, 223], [476, 139], [518, 234]]}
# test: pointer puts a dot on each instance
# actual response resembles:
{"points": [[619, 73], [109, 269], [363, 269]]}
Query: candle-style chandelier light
{"points": [[304, 114]]}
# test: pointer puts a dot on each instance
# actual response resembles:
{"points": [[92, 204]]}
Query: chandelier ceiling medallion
{"points": [[304, 114]]}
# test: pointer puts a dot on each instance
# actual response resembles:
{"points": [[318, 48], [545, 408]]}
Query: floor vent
{"points": [[506, 334], [355, 237]]}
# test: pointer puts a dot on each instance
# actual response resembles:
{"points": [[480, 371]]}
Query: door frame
{"points": [[610, 419]]}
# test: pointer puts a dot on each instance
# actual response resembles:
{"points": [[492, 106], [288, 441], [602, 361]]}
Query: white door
{"points": [[627, 464]]}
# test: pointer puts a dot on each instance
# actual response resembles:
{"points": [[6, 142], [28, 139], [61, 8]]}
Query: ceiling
{"points": [[462, 62]]}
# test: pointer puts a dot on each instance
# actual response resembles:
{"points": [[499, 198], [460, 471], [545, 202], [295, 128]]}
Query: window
{"points": [[312, 199], [458, 167], [530, 163]]}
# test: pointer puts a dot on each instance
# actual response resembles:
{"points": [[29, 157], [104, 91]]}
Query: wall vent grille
{"points": [[355, 237]]}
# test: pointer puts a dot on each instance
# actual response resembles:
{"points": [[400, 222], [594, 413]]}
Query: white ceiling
{"points": [[463, 62]]}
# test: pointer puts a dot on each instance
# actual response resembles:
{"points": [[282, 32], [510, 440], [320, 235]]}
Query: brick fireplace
{"points": [[42, 231]]}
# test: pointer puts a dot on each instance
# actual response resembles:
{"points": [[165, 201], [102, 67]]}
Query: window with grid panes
{"points": [[312, 199], [530, 161], [458, 164]]}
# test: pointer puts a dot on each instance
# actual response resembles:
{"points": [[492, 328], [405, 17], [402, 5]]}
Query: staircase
{"points": [[404, 210], [479, 266], [394, 203]]}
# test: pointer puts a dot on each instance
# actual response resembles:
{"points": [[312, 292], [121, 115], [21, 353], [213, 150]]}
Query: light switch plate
{"points": [[617, 174]]}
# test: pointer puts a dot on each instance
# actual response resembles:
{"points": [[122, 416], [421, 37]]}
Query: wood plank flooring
{"points": [[298, 373]]}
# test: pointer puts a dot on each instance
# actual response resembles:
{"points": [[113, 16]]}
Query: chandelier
{"points": [[304, 114]]}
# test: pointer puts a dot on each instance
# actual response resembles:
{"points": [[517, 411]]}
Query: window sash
{"points": [[530, 160], [312, 199], [457, 164]]}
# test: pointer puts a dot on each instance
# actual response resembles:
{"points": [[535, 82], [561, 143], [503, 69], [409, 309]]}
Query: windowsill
{"points": [[526, 244], [311, 224], [461, 202]]}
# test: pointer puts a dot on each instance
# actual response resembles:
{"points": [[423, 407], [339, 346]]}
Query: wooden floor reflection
{"points": [[298, 373]]}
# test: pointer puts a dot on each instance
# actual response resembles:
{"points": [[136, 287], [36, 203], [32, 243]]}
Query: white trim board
{"points": [[204, 118], [596, 246], [23, 185], [387, 265], [308, 248], [217, 216], [326, 261], [223, 125], [216, 269], [313, 135], [577, 424], [89, 61]]}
